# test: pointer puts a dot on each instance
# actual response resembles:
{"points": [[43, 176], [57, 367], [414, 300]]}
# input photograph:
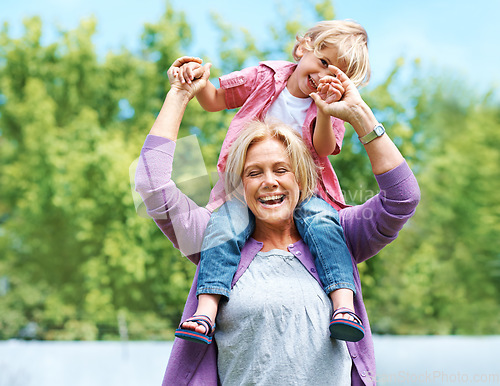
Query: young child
{"points": [[283, 90]]}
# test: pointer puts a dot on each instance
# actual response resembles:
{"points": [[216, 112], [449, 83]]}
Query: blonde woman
{"points": [[273, 328]]}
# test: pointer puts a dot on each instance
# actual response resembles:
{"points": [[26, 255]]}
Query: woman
{"points": [[279, 350]]}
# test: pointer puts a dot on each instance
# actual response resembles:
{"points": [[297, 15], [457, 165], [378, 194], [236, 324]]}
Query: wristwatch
{"points": [[377, 131]]}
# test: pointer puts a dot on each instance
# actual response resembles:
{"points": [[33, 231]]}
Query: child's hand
{"points": [[189, 70], [349, 104], [330, 89], [200, 75]]}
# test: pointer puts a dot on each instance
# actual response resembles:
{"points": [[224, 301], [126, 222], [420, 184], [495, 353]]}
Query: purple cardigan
{"points": [[367, 228]]}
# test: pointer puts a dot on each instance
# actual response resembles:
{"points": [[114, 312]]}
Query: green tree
{"points": [[75, 255], [442, 275]]}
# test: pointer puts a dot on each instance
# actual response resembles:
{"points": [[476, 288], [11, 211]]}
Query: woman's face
{"points": [[271, 189]]}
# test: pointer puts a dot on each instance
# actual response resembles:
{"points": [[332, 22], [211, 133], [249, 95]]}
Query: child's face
{"points": [[311, 69]]}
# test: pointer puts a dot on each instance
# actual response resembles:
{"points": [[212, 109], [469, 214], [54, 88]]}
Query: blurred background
{"points": [[81, 83]]}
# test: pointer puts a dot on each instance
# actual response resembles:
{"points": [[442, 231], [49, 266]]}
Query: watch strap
{"points": [[377, 131]]}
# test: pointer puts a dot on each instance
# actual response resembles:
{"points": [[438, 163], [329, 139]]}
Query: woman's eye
{"points": [[281, 171], [253, 174]]}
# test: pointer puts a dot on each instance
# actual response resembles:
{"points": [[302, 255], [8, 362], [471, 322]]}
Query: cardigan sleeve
{"points": [[371, 226], [178, 217]]}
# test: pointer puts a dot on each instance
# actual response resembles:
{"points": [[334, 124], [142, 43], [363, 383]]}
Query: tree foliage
{"points": [[76, 259], [75, 255], [443, 274]]}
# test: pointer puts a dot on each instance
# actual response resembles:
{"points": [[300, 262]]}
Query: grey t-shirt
{"points": [[274, 328]]}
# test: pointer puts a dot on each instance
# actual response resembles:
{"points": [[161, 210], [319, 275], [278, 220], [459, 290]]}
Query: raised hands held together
{"points": [[187, 75]]}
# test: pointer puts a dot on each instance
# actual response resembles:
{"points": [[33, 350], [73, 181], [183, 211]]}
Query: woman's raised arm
{"points": [[369, 227], [179, 218]]}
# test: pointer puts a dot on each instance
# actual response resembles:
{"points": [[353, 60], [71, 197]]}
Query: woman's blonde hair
{"points": [[303, 165], [351, 41]]}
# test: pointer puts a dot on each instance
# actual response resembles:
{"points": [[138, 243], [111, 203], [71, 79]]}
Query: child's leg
{"points": [[318, 224], [227, 231], [208, 305], [342, 298]]}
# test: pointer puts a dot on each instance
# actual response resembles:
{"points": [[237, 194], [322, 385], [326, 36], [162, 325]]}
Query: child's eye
{"points": [[324, 62], [281, 171]]}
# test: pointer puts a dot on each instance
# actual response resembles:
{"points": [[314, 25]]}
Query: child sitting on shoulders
{"points": [[284, 91]]}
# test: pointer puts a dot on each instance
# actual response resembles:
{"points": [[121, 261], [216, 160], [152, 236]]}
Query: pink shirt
{"points": [[254, 89]]}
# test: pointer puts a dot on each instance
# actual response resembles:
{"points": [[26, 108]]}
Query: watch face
{"points": [[379, 130]]}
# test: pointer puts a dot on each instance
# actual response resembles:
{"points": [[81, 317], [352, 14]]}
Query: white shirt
{"points": [[290, 109]]}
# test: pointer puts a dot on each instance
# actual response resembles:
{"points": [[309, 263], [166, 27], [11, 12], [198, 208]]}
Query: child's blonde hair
{"points": [[351, 41]]}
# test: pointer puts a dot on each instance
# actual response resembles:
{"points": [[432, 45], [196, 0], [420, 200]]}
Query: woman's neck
{"points": [[276, 237]]}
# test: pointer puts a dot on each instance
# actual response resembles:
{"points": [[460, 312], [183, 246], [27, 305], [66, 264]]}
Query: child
{"points": [[282, 90]]}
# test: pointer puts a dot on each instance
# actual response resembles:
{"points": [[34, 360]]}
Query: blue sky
{"points": [[450, 36]]}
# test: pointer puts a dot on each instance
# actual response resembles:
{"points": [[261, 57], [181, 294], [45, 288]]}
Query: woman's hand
{"points": [[383, 154], [342, 107], [350, 107], [188, 76], [169, 119], [190, 70]]}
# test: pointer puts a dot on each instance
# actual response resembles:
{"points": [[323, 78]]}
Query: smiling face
{"points": [[310, 69], [271, 189]]}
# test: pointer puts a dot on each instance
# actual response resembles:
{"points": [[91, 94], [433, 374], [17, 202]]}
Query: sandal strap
{"points": [[204, 321], [345, 310]]}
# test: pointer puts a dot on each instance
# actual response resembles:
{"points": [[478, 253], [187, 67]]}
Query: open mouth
{"points": [[272, 200], [312, 83]]}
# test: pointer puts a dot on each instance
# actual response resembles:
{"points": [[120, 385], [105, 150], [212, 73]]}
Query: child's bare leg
{"points": [[342, 297], [208, 305]]}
